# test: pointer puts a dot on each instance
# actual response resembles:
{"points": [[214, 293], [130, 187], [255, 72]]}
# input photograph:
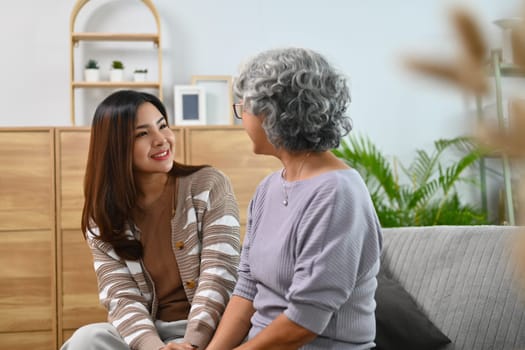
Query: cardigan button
{"points": [[190, 284], [179, 245]]}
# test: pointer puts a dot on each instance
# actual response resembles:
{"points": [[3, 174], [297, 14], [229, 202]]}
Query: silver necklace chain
{"points": [[283, 183]]}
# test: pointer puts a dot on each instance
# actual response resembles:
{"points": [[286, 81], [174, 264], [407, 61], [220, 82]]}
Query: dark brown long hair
{"points": [[109, 184]]}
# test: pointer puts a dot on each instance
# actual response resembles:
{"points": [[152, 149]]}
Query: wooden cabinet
{"points": [[229, 149], [27, 240], [48, 286], [78, 302], [77, 292]]}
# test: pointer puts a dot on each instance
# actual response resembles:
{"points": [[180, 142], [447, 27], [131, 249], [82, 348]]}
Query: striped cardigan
{"points": [[206, 244]]}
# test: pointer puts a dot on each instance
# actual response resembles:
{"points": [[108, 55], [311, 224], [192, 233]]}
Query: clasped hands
{"points": [[179, 346]]}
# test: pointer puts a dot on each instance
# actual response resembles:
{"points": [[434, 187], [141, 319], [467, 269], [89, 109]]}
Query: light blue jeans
{"points": [[103, 336]]}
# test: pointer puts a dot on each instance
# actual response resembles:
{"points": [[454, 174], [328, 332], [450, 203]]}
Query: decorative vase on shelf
{"points": [[116, 73], [91, 75], [91, 71], [140, 75]]}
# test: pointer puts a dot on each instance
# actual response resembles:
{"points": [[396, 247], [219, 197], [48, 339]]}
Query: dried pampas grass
{"points": [[469, 34], [468, 72], [468, 69], [509, 141]]}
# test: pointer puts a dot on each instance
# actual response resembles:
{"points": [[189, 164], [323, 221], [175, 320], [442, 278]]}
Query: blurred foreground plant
{"points": [[508, 141]]}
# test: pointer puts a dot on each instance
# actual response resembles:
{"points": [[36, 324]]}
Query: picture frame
{"points": [[219, 98], [190, 105]]}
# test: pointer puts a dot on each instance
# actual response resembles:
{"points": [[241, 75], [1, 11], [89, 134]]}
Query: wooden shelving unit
{"points": [[94, 36], [77, 37], [499, 70], [109, 84]]}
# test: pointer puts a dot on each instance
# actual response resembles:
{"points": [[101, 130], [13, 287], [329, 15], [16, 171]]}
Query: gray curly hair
{"points": [[302, 98]]}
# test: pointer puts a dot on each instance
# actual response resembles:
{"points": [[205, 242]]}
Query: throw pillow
{"points": [[400, 324]]}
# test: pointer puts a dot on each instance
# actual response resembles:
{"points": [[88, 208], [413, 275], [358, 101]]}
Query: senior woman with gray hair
{"points": [[310, 256]]}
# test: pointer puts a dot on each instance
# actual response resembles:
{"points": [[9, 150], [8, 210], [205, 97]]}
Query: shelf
{"points": [[110, 84], [512, 70], [498, 69], [94, 36], [75, 37], [509, 70], [505, 69]]}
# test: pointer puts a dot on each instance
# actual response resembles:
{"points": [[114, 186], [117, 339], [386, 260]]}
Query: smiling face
{"points": [[154, 142]]}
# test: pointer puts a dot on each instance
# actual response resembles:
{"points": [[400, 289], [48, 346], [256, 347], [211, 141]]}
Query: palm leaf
{"points": [[429, 197], [362, 155], [452, 174]]}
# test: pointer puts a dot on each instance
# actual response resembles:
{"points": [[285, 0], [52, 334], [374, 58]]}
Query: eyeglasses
{"points": [[237, 110]]}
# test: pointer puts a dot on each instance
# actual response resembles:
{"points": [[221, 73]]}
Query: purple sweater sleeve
{"points": [[246, 285], [330, 247]]}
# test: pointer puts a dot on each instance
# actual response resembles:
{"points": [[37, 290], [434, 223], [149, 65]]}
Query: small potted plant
{"points": [[140, 75], [117, 71], [91, 71]]}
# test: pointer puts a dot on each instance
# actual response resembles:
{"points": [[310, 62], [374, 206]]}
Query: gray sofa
{"points": [[464, 279]]}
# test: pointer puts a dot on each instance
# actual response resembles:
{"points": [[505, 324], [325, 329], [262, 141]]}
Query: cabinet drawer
{"points": [[26, 180], [28, 340], [79, 297], [27, 288]]}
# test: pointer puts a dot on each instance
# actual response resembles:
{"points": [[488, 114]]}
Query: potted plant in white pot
{"points": [[140, 75], [117, 71], [91, 71]]}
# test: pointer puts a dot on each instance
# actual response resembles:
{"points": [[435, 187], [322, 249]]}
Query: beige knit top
{"points": [[154, 223], [206, 244]]}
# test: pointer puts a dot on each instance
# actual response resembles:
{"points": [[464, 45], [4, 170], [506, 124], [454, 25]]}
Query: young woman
{"points": [[164, 236], [310, 256]]}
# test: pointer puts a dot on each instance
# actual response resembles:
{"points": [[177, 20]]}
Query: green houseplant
{"points": [[429, 195], [91, 71], [92, 64], [117, 65], [140, 75], [117, 71]]}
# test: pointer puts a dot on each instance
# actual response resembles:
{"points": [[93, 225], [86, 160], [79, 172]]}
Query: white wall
{"points": [[365, 39]]}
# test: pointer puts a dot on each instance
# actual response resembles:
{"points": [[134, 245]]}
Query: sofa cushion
{"points": [[400, 323], [465, 280]]}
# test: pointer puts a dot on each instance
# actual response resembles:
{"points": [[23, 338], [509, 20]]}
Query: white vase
{"points": [[91, 74], [116, 75], [139, 77]]}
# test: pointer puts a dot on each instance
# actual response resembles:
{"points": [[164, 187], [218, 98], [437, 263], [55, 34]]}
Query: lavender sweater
{"points": [[315, 259]]}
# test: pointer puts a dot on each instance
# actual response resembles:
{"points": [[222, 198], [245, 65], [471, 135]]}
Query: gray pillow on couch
{"points": [[400, 323]]}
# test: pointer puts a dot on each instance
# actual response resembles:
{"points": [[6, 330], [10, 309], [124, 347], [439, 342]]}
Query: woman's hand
{"points": [[179, 346]]}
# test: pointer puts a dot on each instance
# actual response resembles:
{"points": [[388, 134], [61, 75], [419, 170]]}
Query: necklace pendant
{"points": [[285, 202]]}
